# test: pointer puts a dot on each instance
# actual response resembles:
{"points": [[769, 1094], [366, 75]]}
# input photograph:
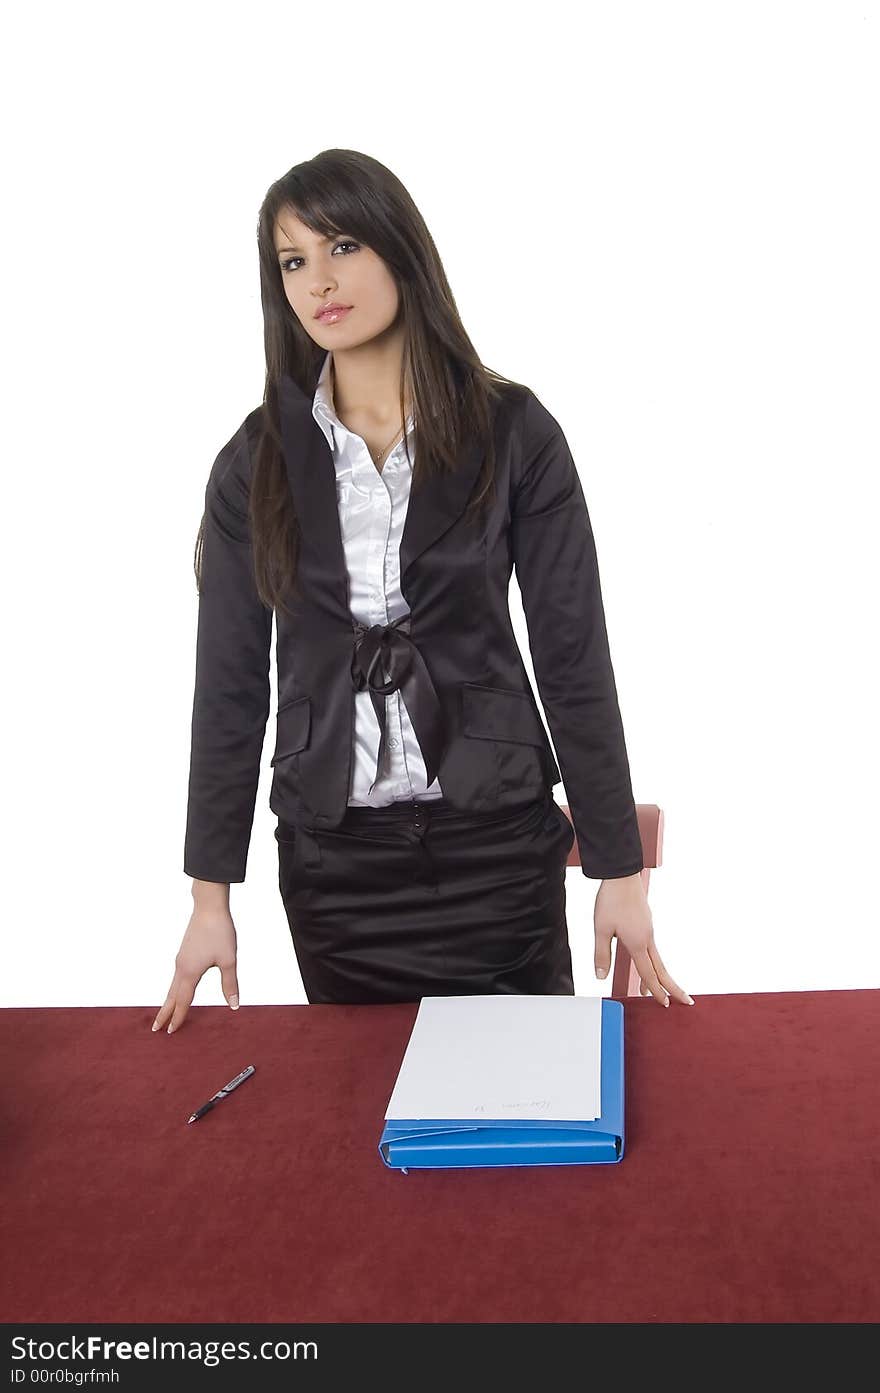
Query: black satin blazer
{"points": [[455, 659]]}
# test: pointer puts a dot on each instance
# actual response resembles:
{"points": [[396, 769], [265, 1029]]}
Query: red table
{"points": [[749, 1190]]}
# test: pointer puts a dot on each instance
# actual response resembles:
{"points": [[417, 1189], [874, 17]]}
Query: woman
{"points": [[376, 502]]}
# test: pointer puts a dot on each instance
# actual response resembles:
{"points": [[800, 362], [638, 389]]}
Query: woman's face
{"points": [[316, 271]]}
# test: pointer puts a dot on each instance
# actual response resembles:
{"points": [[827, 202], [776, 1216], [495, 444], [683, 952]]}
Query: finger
{"points": [[670, 986], [164, 1013], [185, 994], [645, 969], [602, 953], [229, 983]]}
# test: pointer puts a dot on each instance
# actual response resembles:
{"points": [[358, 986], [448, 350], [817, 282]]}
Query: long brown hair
{"points": [[451, 391]]}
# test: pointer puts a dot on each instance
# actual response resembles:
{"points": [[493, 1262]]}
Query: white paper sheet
{"points": [[502, 1056]]}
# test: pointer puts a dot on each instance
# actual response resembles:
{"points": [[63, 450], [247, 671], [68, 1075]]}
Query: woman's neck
{"points": [[365, 384]]}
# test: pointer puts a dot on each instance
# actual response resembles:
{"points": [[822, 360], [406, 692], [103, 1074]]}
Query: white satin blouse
{"points": [[372, 510]]}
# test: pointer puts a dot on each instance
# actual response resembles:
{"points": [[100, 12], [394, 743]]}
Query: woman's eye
{"points": [[288, 264]]}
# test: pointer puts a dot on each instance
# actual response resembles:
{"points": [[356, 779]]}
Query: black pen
{"points": [[239, 1078]]}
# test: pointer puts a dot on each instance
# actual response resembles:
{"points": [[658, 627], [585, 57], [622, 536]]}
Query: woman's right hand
{"points": [[209, 941]]}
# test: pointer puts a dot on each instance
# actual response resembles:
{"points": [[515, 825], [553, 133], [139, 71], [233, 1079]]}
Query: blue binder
{"points": [[424, 1144]]}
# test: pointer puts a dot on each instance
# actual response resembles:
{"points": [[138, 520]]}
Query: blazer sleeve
{"points": [[231, 697], [554, 556]]}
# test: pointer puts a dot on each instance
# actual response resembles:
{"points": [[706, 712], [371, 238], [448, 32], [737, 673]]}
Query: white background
{"points": [[665, 221]]}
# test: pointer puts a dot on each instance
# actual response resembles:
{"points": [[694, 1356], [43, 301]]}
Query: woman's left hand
{"points": [[622, 908]]}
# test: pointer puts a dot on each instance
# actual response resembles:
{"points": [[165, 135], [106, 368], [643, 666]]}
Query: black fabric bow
{"points": [[388, 647]]}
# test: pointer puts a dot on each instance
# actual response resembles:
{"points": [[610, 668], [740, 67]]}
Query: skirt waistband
{"points": [[426, 809], [402, 809]]}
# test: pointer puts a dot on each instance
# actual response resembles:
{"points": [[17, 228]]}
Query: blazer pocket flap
{"points": [[293, 726], [497, 713]]}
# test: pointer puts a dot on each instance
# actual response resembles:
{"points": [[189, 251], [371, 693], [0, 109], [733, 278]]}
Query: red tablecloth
{"points": [[749, 1190]]}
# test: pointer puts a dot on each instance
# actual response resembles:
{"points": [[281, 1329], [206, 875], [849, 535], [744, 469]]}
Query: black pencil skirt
{"points": [[418, 899]]}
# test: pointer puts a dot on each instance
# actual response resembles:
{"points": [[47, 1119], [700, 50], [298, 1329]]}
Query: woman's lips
{"points": [[332, 316]]}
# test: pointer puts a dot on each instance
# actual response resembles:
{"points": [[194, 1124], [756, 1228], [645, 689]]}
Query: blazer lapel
{"points": [[308, 461], [436, 501]]}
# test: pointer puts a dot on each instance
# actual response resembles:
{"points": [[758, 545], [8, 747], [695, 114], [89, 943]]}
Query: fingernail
{"points": [[233, 1002], [154, 1026], [666, 1002], [601, 971], [690, 1001], [170, 1028]]}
